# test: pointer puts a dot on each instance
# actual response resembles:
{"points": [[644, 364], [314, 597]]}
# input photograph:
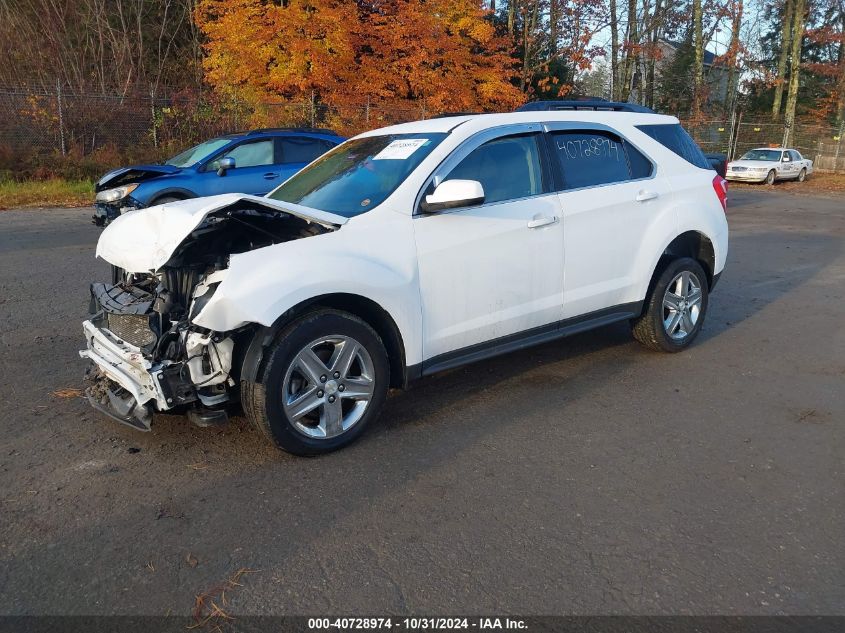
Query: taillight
{"points": [[720, 186]]}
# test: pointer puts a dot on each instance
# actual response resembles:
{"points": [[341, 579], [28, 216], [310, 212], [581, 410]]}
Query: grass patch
{"points": [[55, 192]]}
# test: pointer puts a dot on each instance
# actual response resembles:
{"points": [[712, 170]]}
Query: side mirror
{"points": [[227, 162], [452, 194]]}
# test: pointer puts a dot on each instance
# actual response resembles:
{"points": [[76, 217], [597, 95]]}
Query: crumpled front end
{"points": [[147, 352], [145, 358]]}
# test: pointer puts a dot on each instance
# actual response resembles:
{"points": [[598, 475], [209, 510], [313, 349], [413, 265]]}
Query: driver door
{"points": [[255, 171], [495, 269]]}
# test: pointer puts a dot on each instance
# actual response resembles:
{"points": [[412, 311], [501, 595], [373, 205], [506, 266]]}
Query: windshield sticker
{"points": [[400, 149]]}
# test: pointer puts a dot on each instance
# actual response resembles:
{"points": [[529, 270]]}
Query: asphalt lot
{"points": [[584, 476]]}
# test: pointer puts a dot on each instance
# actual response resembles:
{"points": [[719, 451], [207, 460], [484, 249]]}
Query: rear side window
{"points": [[588, 158], [676, 139], [302, 150]]}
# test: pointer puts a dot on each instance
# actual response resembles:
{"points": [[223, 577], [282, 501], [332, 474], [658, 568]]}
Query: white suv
{"points": [[403, 252]]}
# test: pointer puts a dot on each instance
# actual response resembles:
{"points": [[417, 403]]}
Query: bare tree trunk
{"points": [[698, 70], [733, 52], [785, 44], [651, 74], [614, 51], [794, 70], [629, 64], [840, 109], [511, 16]]}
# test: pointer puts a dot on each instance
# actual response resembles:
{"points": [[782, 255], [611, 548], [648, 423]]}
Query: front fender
{"points": [[261, 285]]}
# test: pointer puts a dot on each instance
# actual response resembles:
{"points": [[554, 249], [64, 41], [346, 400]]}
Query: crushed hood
{"points": [[144, 240], [135, 173]]}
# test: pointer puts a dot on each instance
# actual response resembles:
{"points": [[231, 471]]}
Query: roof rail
{"points": [[609, 106], [310, 130]]}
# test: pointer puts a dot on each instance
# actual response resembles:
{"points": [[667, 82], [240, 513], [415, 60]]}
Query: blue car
{"points": [[254, 162]]}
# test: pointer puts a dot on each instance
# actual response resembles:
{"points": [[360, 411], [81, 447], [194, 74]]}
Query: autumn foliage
{"points": [[424, 55]]}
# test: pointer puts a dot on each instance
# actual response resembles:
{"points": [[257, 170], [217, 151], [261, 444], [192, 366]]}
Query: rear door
{"points": [[610, 195], [798, 160]]}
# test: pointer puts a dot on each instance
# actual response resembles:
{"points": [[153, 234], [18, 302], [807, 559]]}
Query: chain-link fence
{"points": [[823, 144], [59, 132]]}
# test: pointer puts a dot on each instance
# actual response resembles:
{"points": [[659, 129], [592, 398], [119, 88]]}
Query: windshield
{"points": [[762, 154], [196, 154], [358, 175]]}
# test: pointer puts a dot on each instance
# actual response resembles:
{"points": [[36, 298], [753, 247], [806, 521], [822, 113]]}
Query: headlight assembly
{"points": [[118, 193]]}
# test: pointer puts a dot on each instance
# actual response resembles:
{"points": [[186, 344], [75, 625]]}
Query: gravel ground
{"points": [[583, 476]]}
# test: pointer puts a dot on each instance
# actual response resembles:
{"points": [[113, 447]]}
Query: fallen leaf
{"points": [[69, 392], [206, 611], [192, 560]]}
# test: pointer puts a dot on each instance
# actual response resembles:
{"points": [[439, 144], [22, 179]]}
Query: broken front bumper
{"points": [[141, 385], [105, 212]]}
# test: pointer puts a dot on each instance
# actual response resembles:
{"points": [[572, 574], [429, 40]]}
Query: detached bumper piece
{"points": [[116, 402]]}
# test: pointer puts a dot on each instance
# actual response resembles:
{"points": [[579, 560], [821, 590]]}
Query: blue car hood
{"points": [[135, 173]]}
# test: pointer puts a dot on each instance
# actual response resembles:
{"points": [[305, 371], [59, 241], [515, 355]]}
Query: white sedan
{"points": [[768, 165]]}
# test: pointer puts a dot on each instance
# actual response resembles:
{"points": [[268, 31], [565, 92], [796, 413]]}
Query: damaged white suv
{"points": [[402, 252]]}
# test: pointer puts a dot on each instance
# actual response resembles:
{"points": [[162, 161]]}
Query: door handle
{"points": [[644, 195], [538, 221], [270, 176]]}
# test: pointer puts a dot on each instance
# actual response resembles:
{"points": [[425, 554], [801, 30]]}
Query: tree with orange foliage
{"points": [[430, 55]]}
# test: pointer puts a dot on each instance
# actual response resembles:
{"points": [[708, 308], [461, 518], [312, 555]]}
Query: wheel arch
{"points": [[365, 309], [691, 243], [175, 192]]}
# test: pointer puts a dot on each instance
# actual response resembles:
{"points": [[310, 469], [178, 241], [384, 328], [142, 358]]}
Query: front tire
{"points": [[802, 175], [675, 307], [770, 177], [166, 200], [325, 380]]}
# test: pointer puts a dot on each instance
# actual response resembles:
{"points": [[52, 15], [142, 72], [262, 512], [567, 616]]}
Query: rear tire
{"points": [[770, 177], [325, 380], [675, 307]]}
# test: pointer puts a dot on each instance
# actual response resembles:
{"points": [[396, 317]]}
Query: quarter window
{"points": [[588, 158], [508, 168], [675, 138]]}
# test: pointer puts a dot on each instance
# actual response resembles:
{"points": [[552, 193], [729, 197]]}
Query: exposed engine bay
{"points": [[147, 353]]}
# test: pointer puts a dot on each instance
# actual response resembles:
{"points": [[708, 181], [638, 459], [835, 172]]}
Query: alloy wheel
{"points": [[682, 305], [328, 386]]}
